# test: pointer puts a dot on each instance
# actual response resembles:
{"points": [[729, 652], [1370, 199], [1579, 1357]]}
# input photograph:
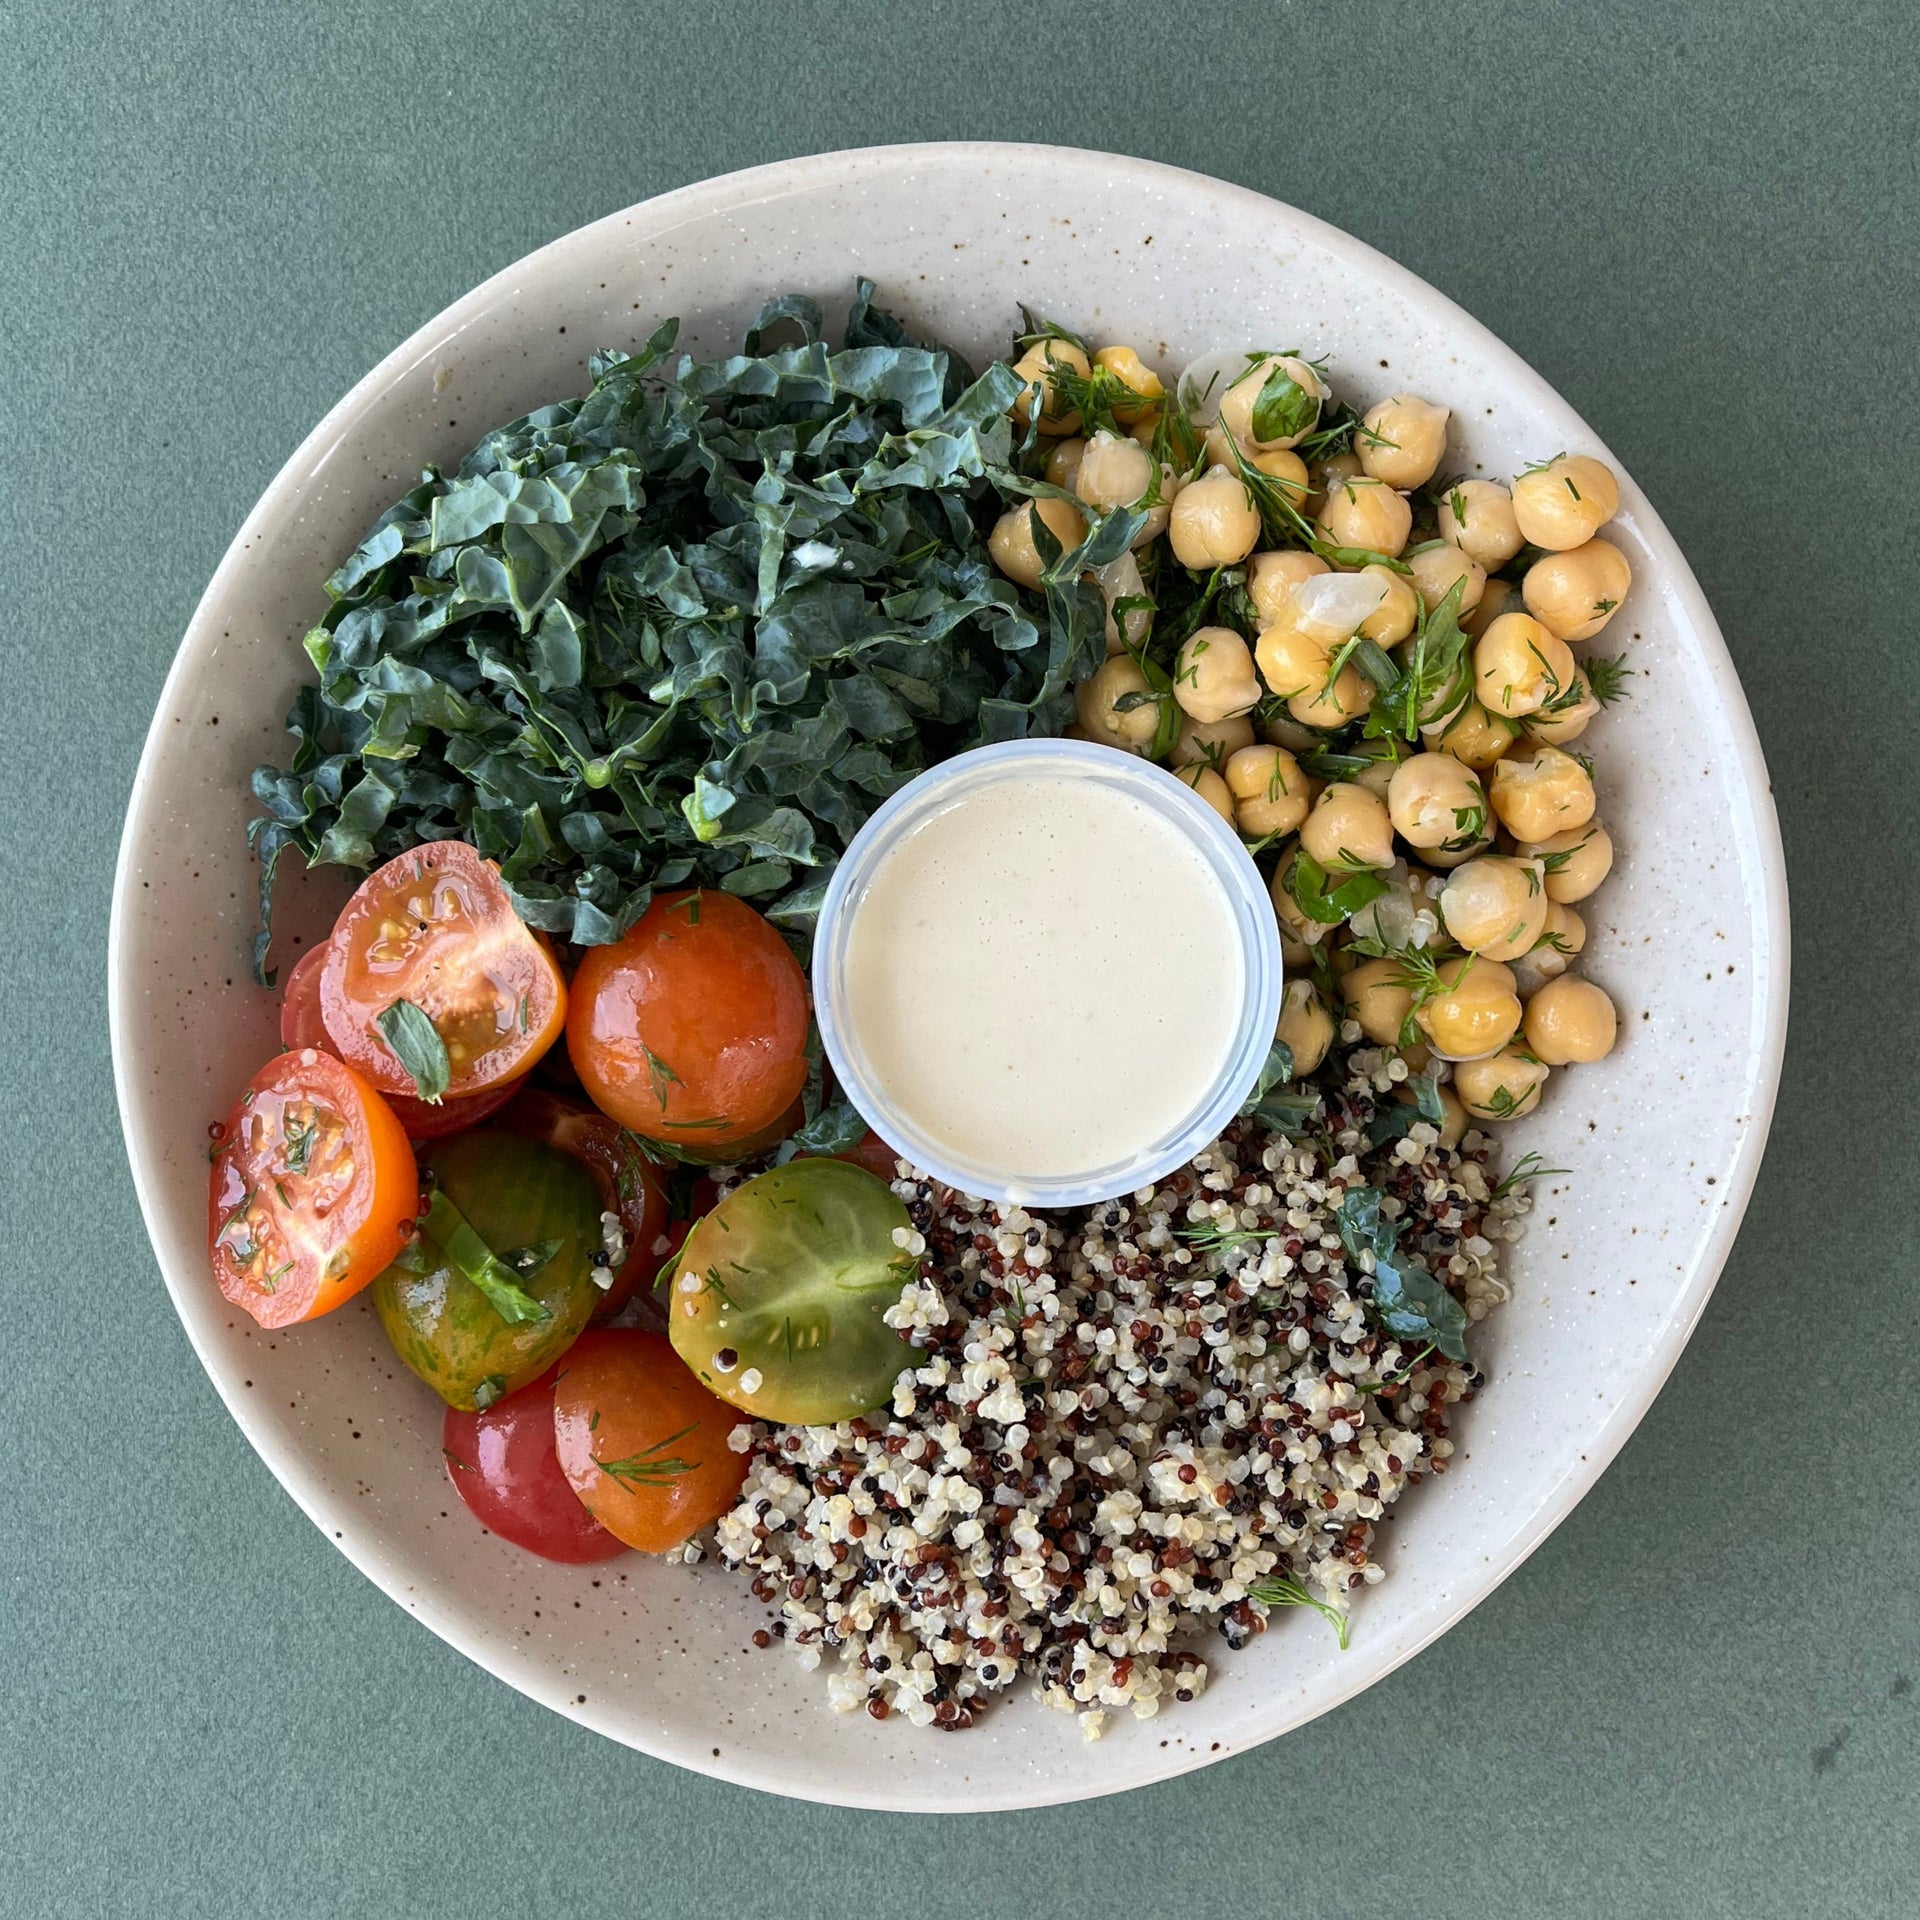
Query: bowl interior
{"points": [[1688, 935]]}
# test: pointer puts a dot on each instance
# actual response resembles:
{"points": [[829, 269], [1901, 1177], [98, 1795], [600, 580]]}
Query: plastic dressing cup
{"points": [[1047, 972]]}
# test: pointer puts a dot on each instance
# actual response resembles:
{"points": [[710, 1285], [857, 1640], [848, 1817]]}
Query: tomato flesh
{"points": [[629, 1184], [435, 927], [313, 1190], [302, 1026], [641, 1442], [503, 1466], [692, 1028]]}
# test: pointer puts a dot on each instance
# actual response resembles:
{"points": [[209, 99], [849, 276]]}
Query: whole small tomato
{"points": [[503, 1466], [641, 1441], [692, 1028], [313, 1190]]}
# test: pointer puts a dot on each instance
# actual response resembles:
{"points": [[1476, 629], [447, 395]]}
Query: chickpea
{"points": [[1213, 675], [1296, 661], [1213, 742], [1334, 471], [1295, 955], [1519, 666], [1113, 472], [1495, 906], [1096, 699], [1272, 576], [1036, 367], [1134, 373], [1566, 502], [1382, 757], [1286, 466], [1477, 517], [1213, 523], [1496, 597], [1210, 787], [1240, 402], [1574, 863], [1269, 791], [1306, 1027], [1575, 594], [1477, 738], [1378, 997], [1570, 1021], [1012, 545], [1398, 614], [1435, 569], [1557, 948], [1541, 793], [1567, 718], [1436, 801], [1445, 859], [1501, 1088], [1294, 924], [1348, 829], [1403, 440], [1282, 730], [1366, 513], [1474, 1011], [1063, 461], [1120, 580]]}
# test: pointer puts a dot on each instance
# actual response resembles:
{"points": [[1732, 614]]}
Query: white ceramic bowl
{"points": [[1689, 935]]}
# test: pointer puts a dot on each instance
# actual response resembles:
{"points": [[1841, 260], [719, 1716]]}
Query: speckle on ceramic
{"points": [[1689, 936]]}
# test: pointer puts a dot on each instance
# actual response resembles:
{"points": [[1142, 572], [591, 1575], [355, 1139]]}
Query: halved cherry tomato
{"points": [[629, 1184], [435, 927], [502, 1464], [302, 1026], [692, 1028], [313, 1190], [641, 1441]]}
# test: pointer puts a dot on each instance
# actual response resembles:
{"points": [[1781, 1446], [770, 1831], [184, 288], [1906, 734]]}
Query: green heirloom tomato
{"points": [[777, 1295], [500, 1281]]}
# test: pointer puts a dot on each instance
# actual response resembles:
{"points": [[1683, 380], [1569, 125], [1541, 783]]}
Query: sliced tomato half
{"points": [[313, 1190], [435, 930]]}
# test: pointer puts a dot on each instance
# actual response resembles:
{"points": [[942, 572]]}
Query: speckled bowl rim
{"points": [[704, 200]]}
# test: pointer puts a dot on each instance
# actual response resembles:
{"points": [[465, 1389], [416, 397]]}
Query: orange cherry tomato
{"points": [[641, 1441], [435, 927], [693, 1027], [302, 1026], [629, 1183], [312, 1192]]}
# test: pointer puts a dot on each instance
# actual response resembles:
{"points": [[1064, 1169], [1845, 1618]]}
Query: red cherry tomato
{"points": [[312, 1191], [692, 1028], [641, 1441], [302, 1026], [629, 1183], [502, 1464], [435, 927]]}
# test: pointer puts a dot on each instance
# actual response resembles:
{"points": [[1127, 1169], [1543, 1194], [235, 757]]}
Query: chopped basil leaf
{"points": [[415, 1042], [448, 1228]]}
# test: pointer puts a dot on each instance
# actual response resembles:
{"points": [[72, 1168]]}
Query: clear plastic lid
{"points": [[1243, 893]]}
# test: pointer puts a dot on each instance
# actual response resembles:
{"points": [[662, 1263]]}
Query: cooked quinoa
{"points": [[1123, 1418]]}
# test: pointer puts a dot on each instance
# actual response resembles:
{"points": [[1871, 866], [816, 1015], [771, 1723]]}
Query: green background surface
{"points": [[1702, 1696]]}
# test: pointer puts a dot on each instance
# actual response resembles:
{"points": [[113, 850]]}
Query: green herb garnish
{"points": [[449, 1229], [1283, 1590], [415, 1042], [651, 1466]]}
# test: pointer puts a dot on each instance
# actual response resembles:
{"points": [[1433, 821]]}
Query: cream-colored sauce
{"points": [[1045, 977]]}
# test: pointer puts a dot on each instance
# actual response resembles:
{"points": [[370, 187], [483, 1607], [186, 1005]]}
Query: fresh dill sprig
{"points": [[1283, 1590], [1526, 1169], [1608, 677], [650, 1467]]}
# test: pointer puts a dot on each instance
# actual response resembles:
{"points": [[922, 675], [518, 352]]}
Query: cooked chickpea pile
{"points": [[1366, 667]]}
